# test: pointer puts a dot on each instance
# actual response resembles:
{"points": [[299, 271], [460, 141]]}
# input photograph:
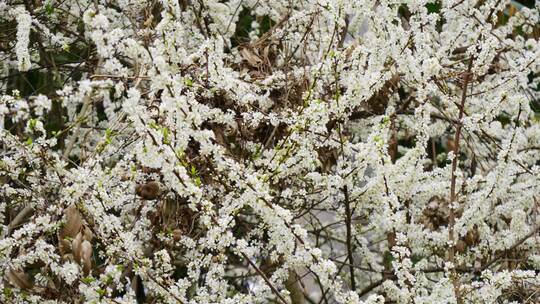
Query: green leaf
{"points": [[179, 153], [193, 171], [8, 292], [32, 123], [88, 280], [108, 136], [166, 137], [49, 9]]}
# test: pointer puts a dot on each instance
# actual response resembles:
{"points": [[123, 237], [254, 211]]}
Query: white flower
{"points": [[42, 104], [24, 23]]}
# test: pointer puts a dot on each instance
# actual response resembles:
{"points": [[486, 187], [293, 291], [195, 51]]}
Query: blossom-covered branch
{"points": [[246, 151]]}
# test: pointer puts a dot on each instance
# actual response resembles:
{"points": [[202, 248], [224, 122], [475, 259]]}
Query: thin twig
{"points": [[452, 216]]}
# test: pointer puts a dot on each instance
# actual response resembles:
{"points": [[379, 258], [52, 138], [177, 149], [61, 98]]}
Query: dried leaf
{"points": [[472, 237], [19, 278], [86, 256], [76, 247], [266, 52], [64, 245], [349, 51], [177, 234], [148, 191], [88, 234], [461, 246], [73, 222], [68, 257], [250, 57], [512, 10]]}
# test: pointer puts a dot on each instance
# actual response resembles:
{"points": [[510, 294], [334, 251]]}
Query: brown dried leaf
{"points": [[472, 237], [76, 247], [88, 234], [512, 10], [73, 222], [68, 257], [250, 57], [349, 51], [177, 234], [86, 256], [19, 278], [64, 245], [148, 191], [265, 54], [461, 246], [220, 137], [72, 226]]}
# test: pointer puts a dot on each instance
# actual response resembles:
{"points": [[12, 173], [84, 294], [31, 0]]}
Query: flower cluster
{"points": [[246, 151]]}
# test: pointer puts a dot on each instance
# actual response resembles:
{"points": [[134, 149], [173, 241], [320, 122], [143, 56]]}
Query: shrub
{"points": [[314, 151]]}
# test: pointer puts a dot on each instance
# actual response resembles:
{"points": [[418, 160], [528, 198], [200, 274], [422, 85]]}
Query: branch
{"points": [[452, 216]]}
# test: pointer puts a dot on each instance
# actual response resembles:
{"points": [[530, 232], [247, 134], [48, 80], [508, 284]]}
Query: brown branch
{"points": [[500, 255], [265, 278], [348, 224], [453, 196]]}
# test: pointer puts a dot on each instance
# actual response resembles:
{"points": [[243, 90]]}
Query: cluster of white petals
{"points": [[246, 151]]}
